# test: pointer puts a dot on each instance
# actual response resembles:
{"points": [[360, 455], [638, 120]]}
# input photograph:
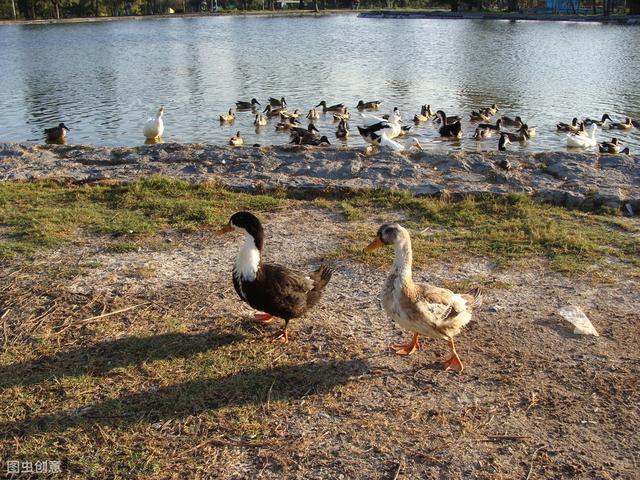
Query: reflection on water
{"points": [[104, 80]]}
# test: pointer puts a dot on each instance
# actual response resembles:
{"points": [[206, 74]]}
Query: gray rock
{"points": [[576, 180]]}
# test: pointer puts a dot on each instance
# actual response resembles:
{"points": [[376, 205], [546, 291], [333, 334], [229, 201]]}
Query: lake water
{"points": [[104, 79]]}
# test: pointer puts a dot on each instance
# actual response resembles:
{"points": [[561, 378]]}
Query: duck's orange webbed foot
{"points": [[454, 362], [282, 337], [407, 348], [262, 318]]}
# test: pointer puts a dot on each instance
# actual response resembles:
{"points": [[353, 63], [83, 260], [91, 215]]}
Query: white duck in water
{"points": [[583, 141], [421, 308], [154, 126]]}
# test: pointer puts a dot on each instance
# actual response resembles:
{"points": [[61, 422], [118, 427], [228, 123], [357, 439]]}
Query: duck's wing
{"points": [[284, 281], [440, 306]]}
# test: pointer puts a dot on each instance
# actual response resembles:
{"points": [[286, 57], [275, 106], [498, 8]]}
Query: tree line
{"points": [[41, 9]]}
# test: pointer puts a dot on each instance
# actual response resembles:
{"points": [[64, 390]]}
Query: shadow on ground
{"points": [[98, 359], [283, 383]]}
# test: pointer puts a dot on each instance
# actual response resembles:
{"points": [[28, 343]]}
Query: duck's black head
{"points": [[323, 103], [254, 102], [325, 140], [614, 140], [606, 117], [249, 223], [62, 125]]}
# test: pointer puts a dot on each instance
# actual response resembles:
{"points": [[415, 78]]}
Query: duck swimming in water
{"points": [[373, 105], [612, 147], [338, 107], [236, 140], [228, 117], [574, 126], [240, 105], [56, 134], [276, 290]]}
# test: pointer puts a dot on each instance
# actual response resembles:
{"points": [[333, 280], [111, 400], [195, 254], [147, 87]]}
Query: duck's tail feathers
{"points": [[321, 277], [476, 297]]}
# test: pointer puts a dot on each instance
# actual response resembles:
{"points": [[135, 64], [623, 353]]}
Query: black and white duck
{"points": [[503, 142], [276, 290], [450, 120]]}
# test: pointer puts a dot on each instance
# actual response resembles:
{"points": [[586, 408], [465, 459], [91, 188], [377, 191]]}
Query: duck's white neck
{"points": [[403, 259], [248, 260], [159, 114]]}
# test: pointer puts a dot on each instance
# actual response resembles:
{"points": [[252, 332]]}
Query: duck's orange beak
{"points": [[225, 229], [377, 243]]}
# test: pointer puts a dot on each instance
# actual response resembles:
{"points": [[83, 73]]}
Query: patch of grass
{"points": [[46, 214], [503, 229], [350, 212]]}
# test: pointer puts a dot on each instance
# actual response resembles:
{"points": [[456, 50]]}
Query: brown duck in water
{"points": [[271, 288], [56, 134]]}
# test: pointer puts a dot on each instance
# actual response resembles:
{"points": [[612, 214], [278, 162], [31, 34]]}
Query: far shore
{"points": [[406, 14], [259, 13]]}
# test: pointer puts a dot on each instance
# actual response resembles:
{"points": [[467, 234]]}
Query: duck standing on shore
{"points": [[154, 126], [267, 287], [421, 308]]}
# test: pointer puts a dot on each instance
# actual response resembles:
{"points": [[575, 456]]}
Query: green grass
{"points": [[503, 229], [46, 214]]}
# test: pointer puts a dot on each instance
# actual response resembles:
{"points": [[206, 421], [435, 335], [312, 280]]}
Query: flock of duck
{"points": [[278, 291], [384, 130]]}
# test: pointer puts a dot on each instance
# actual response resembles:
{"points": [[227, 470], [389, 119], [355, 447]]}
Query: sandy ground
{"points": [[534, 400]]}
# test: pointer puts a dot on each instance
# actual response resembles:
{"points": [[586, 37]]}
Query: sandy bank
{"points": [[575, 180]]}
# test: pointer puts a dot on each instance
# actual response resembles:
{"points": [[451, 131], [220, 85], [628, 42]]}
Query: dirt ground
{"points": [[534, 400]]}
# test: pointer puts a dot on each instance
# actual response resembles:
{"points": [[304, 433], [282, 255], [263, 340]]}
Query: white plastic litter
{"points": [[576, 316]]}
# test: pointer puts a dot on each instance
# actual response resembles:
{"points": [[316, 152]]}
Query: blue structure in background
{"points": [[563, 6]]}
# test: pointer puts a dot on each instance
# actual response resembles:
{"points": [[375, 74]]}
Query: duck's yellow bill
{"points": [[225, 229], [377, 243]]}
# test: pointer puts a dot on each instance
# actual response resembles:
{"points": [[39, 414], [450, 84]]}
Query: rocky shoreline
{"points": [[575, 180]]}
